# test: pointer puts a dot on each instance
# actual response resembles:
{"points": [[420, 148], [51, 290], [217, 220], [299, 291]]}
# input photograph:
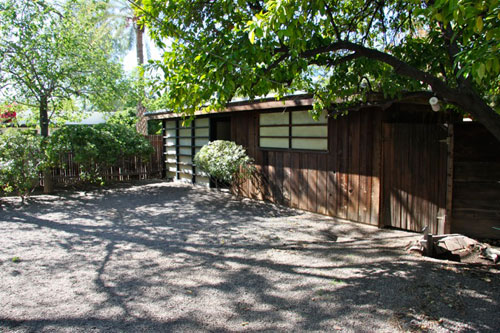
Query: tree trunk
{"points": [[142, 125], [48, 184]]}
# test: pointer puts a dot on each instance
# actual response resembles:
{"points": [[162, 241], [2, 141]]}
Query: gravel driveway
{"points": [[166, 257]]}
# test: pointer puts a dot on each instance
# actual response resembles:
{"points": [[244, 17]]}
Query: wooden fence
{"points": [[125, 169]]}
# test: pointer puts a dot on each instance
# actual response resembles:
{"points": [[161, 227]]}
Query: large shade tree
{"points": [[55, 52], [333, 49]]}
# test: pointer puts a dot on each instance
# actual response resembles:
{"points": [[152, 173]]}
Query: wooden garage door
{"points": [[414, 176]]}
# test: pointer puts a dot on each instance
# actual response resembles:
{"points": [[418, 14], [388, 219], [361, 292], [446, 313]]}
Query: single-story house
{"points": [[386, 163]]}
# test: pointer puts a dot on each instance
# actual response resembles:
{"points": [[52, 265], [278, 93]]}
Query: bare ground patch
{"points": [[165, 257]]}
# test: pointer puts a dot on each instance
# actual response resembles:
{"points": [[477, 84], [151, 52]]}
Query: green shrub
{"points": [[96, 148], [223, 160], [21, 160]]}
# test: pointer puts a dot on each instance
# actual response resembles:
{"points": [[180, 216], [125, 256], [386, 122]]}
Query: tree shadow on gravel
{"points": [[176, 258]]}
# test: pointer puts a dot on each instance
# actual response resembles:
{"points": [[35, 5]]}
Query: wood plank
{"points": [[430, 180], [271, 177], [287, 179], [279, 178], [395, 171], [343, 158], [376, 171], [252, 146], [303, 185], [406, 131], [476, 171], [295, 180], [388, 175], [354, 140], [333, 168], [365, 150], [476, 226], [312, 182], [322, 185]]}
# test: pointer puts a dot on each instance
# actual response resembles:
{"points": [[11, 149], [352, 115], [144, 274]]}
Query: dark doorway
{"points": [[220, 128]]}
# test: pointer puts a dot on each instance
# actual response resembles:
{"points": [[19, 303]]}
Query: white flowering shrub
{"points": [[223, 161], [21, 160]]}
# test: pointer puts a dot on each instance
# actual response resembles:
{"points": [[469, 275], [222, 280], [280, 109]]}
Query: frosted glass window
{"points": [[306, 133], [185, 132], [170, 124], [310, 144], [185, 159], [201, 142], [275, 118], [304, 117], [274, 131], [316, 131], [186, 169], [201, 131], [201, 122], [170, 133], [185, 177], [274, 142]]}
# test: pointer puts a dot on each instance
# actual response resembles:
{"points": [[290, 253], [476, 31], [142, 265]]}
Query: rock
{"points": [[455, 243], [491, 254]]}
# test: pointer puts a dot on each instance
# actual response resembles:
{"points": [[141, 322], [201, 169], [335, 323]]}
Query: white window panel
{"points": [[321, 131], [304, 117], [185, 132], [201, 122], [275, 118], [170, 133], [310, 144], [274, 142], [274, 131], [201, 132]]}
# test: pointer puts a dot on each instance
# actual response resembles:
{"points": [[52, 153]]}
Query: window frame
{"points": [[290, 137]]}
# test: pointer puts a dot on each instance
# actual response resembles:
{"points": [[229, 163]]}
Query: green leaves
{"points": [[223, 160], [225, 49], [21, 161], [96, 147], [58, 53]]}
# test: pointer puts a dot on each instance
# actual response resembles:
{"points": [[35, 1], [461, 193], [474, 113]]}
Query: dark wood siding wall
{"points": [[414, 187], [384, 168], [345, 182], [476, 185]]}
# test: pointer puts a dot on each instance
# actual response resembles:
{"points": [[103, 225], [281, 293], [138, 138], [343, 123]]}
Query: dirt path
{"points": [[165, 257]]}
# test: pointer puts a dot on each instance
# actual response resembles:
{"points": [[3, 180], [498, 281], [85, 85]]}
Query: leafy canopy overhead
{"points": [[54, 53], [332, 49]]}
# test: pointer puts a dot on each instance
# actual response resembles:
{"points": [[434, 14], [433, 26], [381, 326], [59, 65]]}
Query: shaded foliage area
{"points": [[336, 50], [97, 147]]}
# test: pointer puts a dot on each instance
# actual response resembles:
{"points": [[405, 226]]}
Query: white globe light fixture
{"points": [[434, 102]]}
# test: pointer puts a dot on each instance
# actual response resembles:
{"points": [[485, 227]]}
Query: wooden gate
{"points": [[414, 176]]}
